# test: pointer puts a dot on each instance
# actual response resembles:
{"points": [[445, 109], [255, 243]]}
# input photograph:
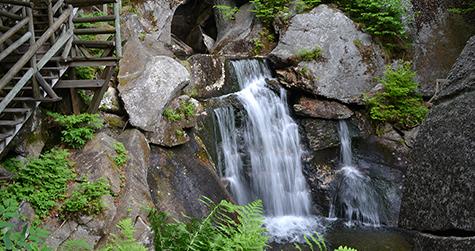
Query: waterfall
{"points": [[355, 198], [262, 159]]}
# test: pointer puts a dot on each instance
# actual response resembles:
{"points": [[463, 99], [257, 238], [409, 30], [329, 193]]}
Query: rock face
{"points": [[147, 84], [439, 37], [349, 60], [440, 183], [179, 177], [315, 108], [128, 185]]}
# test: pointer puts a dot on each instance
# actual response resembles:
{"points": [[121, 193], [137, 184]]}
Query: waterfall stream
{"points": [[262, 159], [355, 199]]}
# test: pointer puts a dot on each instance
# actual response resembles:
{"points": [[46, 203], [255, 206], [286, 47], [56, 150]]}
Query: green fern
{"points": [[345, 248], [125, 241], [77, 129]]}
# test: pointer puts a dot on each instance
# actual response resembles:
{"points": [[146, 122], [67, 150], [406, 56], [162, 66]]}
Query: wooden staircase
{"points": [[43, 43]]}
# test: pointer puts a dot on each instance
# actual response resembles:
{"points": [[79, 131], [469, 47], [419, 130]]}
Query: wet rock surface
{"points": [[349, 59], [439, 187], [315, 108], [179, 177]]}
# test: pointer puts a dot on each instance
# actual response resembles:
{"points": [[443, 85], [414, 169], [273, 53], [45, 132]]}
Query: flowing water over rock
{"points": [[262, 159], [355, 199]]}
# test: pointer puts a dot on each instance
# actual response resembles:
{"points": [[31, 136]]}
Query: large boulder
{"points": [[349, 59], [440, 185], [180, 177], [128, 184], [315, 108], [147, 83]]}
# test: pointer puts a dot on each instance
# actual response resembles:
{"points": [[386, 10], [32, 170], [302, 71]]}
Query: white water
{"points": [[270, 145], [355, 199]]}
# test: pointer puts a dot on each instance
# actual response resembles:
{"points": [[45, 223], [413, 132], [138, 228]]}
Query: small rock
{"points": [[315, 108], [110, 102]]}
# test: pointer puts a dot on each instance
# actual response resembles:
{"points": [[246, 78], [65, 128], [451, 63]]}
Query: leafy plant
{"points": [[258, 45], [11, 238], [76, 245], [228, 12], [125, 241], [226, 227], [85, 72], [399, 103], [172, 115], [41, 181], [304, 5], [77, 129], [309, 55], [185, 110], [86, 199], [313, 242], [121, 157], [85, 97], [464, 8]]}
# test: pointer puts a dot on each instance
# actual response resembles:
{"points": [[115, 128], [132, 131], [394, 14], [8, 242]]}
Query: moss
{"points": [[310, 55]]}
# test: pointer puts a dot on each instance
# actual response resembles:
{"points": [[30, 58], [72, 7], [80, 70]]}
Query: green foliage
{"points": [[313, 242], [172, 115], [186, 110], [12, 238], [125, 241], [228, 12], [304, 5], [345, 248], [121, 157], [86, 199], [179, 133], [309, 55], [399, 103], [258, 46], [85, 72], [85, 97], [41, 181], [76, 245], [381, 18], [267, 10], [77, 129], [465, 8], [227, 227]]}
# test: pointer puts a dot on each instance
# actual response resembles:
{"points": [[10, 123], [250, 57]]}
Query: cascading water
{"points": [[270, 144], [355, 198]]}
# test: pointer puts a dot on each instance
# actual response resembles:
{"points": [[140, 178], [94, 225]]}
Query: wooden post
{"points": [[118, 38], [74, 95], [31, 27], [98, 94], [51, 20]]}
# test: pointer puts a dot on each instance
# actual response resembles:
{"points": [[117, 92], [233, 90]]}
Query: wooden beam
{"points": [[80, 84], [94, 44], [13, 30], [46, 87], [57, 5], [98, 94], [55, 48], [87, 31], [14, 45], [10, 15], [84, 3], [118, 38], [19, 85], [109, 18], [16, 2]]}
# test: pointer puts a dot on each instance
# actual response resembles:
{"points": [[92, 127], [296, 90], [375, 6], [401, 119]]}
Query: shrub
{"points": [[77, 129], [86, 199], [85, 72], [226, 227], [41, 181], [267, 10], [172, 115], [228, 12], [399, 102], [381, 18], [125, 241], [121, 157], [12, 238]]}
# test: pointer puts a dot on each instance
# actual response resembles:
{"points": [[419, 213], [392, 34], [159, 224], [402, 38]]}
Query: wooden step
{"points": [[93, 31], [94, 19], [82, 84], [3, 136], [16, 110], [31, 99], [11, 122], [95, 44]]}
